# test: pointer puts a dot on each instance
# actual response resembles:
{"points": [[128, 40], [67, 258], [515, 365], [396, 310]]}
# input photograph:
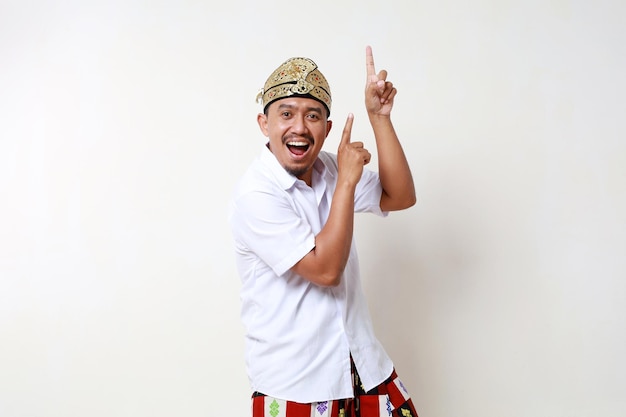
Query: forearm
{"points": [[324, 265], [393, 167]]}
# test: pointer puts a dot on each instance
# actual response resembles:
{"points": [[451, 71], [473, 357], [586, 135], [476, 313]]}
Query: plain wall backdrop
{"points": [[125, 124]]}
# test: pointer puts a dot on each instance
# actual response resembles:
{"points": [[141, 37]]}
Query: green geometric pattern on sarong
{"points": [[274, 408]]}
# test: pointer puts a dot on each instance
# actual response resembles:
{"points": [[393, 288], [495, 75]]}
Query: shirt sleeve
{"points": [[368, 193], [269, 226]]}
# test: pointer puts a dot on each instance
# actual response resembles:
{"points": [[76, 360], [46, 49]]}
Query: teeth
{"points": [[297, 143]]}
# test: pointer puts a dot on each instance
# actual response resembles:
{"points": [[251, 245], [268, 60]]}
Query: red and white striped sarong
{"points": [[389, 399]]}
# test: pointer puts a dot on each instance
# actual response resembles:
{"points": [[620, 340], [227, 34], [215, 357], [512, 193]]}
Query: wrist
{"points": [[380, 122], [346, 184], [379, 118]]}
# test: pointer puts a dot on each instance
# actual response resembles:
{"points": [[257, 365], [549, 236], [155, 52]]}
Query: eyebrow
{"points": [[317, 110]]}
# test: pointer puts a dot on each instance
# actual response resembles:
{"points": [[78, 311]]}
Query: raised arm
{"points": [[324, 264], [393, 167]]}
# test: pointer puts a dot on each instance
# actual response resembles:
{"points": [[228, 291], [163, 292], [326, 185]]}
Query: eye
{"points": [[313, 116], [286, 114]]}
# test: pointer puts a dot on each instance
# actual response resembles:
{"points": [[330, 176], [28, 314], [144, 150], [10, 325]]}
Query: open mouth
{"points": [[298, 148]]}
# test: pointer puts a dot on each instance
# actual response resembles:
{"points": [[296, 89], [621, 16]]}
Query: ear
{"points": [[262, 121], [329, 125]]}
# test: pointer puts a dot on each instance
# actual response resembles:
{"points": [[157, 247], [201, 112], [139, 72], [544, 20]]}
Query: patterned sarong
{"points": [[389, 399]]}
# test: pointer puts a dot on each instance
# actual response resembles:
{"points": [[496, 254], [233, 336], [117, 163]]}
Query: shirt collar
{"points": [[320, 172], [285, 179]]}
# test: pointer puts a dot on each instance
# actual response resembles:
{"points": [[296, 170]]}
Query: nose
{"points": [[299, 125]]}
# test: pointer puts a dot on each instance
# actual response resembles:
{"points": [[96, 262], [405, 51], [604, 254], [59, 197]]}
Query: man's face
{"points": [[296, 128]]}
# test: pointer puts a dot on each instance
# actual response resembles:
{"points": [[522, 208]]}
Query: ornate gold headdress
{"points": [[296, 76]]}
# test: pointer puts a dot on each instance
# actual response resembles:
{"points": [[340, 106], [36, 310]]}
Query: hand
{"points": [[351, 156], [379, 92]]}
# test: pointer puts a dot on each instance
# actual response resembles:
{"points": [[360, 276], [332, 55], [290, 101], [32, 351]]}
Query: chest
{"points": [[312, 203]]}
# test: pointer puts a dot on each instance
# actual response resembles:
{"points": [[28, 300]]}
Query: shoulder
{"points": [[258, 192], [256, 178]]}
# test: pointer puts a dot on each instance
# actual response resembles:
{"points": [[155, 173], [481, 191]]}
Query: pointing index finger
{"points": [[369, 62], [347, 130]]}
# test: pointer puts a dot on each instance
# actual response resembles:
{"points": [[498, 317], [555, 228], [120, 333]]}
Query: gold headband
{"points": [[296, 76]]}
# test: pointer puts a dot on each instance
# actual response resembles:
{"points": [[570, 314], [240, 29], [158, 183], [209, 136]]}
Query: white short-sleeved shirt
{"points": [[299, 336]]}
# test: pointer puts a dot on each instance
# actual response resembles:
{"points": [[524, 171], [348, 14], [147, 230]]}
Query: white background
{"points": [[124, 125]]}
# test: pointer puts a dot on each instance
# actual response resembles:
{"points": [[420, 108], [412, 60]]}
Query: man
{"points": [[310, 346]]}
